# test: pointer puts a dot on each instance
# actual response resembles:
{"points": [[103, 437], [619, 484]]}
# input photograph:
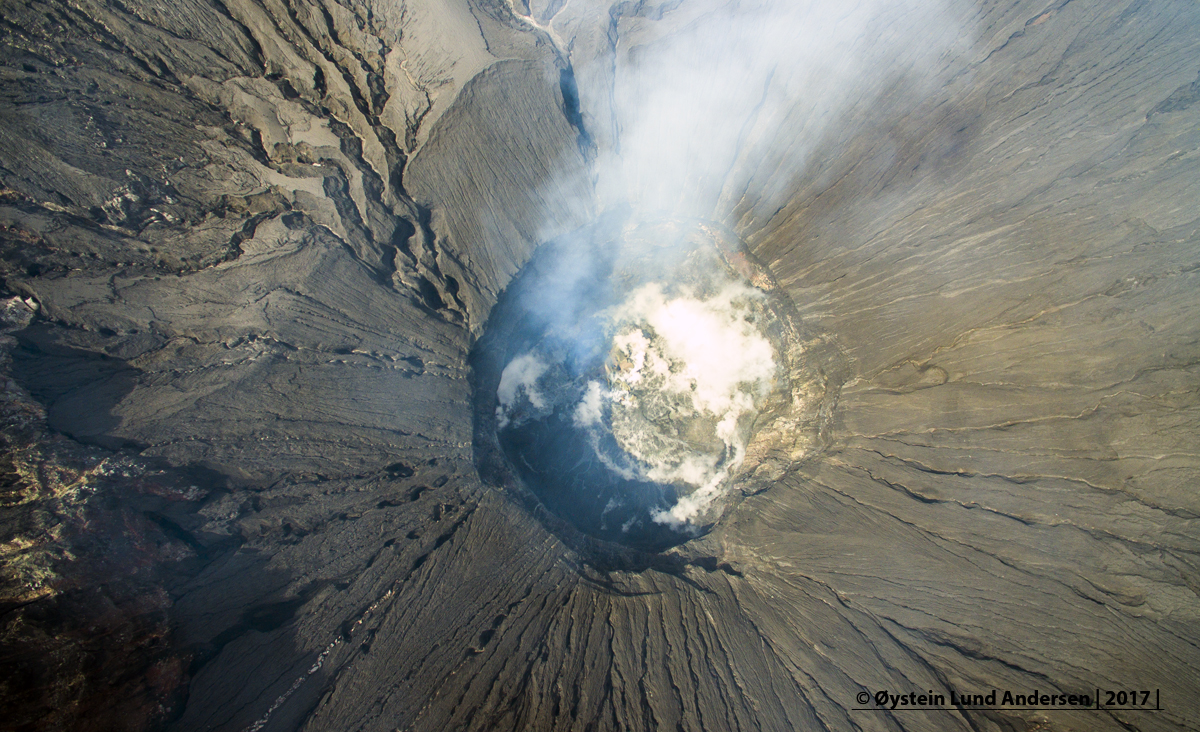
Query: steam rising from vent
{"points": [[704, 357], [643, 372], [717, 109], [519, 377]]}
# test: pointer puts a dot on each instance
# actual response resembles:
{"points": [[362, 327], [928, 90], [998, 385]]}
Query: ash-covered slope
{"points": [[248, 248]]}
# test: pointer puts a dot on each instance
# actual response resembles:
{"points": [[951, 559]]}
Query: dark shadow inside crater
{"points": [[555, 461], [537, 451]]}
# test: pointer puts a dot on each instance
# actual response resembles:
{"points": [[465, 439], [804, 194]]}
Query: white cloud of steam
{"points": [[719, 99], [705, 351], [712, 109], [590, 409], [719, 350], [520, 375], [715, 108]]}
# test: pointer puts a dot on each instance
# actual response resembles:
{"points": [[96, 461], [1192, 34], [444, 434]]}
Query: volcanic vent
{"points": [[636, 378]]}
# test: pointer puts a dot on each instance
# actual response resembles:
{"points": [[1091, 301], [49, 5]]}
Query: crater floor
{"points": [[640, 377]]}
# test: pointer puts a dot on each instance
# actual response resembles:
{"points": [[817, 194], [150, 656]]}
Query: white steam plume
{"points": [[716, 109], [720, 99], [520, 375]]}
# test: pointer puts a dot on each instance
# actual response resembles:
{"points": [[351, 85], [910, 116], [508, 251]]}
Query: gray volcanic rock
{"points": [[247, 249]]}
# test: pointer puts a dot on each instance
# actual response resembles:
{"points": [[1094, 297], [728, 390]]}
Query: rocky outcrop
{"points": [[247, 249]]}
